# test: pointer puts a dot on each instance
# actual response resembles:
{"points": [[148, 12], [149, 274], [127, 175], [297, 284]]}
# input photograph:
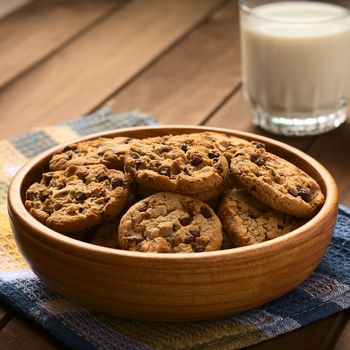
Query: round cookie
{"points": [[106, 235], [183, 164], [276, 182], [109, 152], [78, 197], [247, 221], [170, 223]]}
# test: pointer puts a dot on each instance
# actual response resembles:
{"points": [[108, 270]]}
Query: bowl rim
{"points": [[16, 206]]}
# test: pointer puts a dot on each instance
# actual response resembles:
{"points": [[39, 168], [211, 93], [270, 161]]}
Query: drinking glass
{"points": [[296, 64]]}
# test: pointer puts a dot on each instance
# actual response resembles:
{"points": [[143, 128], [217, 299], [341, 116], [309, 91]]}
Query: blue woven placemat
{"points": [[325, 292]]}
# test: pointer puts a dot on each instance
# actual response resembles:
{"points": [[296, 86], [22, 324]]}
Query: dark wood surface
{"points": [[179, 60]]}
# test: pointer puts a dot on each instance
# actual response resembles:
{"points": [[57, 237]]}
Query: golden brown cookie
{"points": [[170, 223], [78, 197], [107, 151], [183, 164], [276, 182], [247, 221]]}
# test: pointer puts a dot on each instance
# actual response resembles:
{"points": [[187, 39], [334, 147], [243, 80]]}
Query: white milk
{"points": [[296, 57]]}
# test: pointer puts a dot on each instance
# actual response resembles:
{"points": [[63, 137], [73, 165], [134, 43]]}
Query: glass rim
{"points": [[250, 10]]}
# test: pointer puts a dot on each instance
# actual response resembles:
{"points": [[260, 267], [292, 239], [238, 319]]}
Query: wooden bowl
{"points": [[151, 286]]}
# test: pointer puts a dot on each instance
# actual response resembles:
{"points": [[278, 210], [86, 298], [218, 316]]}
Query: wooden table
{"points": [[179, 60]]}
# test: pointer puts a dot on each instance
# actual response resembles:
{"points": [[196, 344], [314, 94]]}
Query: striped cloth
{"points": [[325, 292]]}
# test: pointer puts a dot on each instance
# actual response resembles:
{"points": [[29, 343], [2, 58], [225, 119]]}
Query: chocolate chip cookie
{"points": [[276, 182], [78, 197], [170, 223], [109, 152], [248, 221], [183, 164]]}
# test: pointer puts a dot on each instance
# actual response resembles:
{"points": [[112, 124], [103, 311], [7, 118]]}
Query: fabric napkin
{"points": [[325, 292]]}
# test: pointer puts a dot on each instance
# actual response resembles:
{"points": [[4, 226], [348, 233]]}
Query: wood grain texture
{"points": [[6, 314], [77, 78], [20, 333], [9, 6], [35, 31], [343, 342], [207, 66], [320, 335]]}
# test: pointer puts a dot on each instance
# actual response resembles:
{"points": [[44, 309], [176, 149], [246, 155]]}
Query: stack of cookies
{"points": [[173, 194]]}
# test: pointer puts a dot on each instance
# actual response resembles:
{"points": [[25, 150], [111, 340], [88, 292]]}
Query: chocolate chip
{"points": [[48, 211], [189, 239], [184, 148], [142, 208], [293, 192], [70, 148], [30, 196], [186, 171], [213, 154], [206, 212], [165, 149], [197, 247], [127, 140], [305, 194], [61, 185], [101, 153], [70, 156], [138, 164], [186, 220], [195, 161], [258, 144], [219, 167], [173, 242], [258, 159], [238, 154], [44, 195], [102, 177], [195, 233], [47, 178], [101, 193], [80, 196], [175, 227], [84, 176], [280, 225], [116, 183], [165, 170]]}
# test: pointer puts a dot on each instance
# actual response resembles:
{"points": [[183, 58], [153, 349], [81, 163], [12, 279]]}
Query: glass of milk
{"points": [[296, 64]]}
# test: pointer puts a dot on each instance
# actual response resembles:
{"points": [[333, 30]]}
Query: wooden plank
{"points": [[9, 6], [332, 150], [234, 114], [5, 314], [190, 80], [84, 73], [319, 335], [24, 42], [20, 333], [344, 340]]}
